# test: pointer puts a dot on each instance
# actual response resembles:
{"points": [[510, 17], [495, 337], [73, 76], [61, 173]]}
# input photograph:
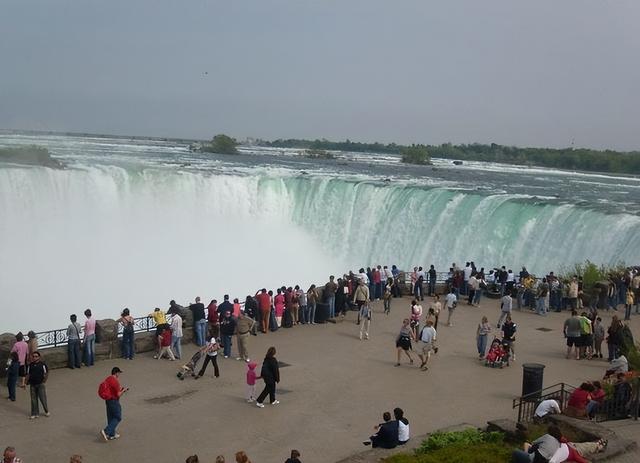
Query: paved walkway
{"points": [[628, 429], [333, 392]]}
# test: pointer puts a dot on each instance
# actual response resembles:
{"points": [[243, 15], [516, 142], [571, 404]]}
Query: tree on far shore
{"points": [[222, 144], [415, 154]]}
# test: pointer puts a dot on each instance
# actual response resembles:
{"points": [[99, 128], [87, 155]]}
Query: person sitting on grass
{"points": [[386, 435]]}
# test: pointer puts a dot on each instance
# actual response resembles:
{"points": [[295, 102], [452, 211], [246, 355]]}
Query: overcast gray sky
{"points": [[536, 73]]}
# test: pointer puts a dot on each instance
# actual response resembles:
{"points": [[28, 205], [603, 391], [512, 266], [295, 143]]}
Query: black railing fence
{"points": [[57, 338], [616, 406], [527, 404]]}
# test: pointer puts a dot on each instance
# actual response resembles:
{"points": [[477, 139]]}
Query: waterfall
{"points": [[106, 237]]}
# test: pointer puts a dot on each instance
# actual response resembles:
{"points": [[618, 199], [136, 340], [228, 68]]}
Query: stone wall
{"points": [[108, 348]]}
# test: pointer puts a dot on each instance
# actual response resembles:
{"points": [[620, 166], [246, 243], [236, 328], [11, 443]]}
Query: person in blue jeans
{"points": [[128, 347], [111, 391], [227, 329], [12, 375], [73, 342], [89, 341]]}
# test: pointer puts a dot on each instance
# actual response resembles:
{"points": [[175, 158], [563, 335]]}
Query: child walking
{"points": [[251, 381]]}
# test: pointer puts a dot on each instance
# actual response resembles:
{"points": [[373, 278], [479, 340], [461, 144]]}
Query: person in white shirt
{"points": [[466, 274], [176, 335], [547, 407], [427, 344], [450, 302], [505, 308], [403, 426]]}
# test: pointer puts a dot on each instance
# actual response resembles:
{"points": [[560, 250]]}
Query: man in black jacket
{"points": [[227, 329], [37, 374], [386, 436], [199, 322]]}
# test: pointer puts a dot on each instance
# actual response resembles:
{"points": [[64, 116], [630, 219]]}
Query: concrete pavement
{"points": [[332, 393]]}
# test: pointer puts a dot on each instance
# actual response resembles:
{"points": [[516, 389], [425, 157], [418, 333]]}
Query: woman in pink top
{"points": [[279, 303], [89, 341], [22, 349]]}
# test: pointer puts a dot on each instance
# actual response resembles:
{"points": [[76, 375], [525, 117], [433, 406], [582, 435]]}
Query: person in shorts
{"points": [[426, 344], [572, 332]]}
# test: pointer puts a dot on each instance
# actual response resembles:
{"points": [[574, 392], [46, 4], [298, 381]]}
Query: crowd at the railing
{"points": [[217, 324]]}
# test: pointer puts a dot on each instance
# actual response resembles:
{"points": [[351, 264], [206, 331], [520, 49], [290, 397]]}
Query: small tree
{"points": [[415, 154], [222, 144]]}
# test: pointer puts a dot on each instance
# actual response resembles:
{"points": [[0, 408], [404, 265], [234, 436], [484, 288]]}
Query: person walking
{"points": [[386, 297], [89, 342], [451, 301], [176, 335], [361, 297], [244, 328], [37, 374], [211, 349], [364, 315], [128, 346], [416, 314], [509, 336], [73, 342], [482, 333], [403, 341], [110, 391], [251, 382], [506, 304], [270, 374], [426, 344]]}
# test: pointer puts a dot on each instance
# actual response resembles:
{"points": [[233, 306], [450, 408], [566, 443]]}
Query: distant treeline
{"points": [[566, 158]]}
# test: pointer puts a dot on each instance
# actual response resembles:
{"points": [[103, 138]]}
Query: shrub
{"points": [[222, 144]]}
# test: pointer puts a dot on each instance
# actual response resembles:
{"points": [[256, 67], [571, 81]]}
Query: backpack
{"points": [[103, 390]]}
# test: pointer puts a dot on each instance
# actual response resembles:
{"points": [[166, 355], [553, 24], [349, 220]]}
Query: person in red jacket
{"points": [[212, 319], [113, 392], [264, 305]]}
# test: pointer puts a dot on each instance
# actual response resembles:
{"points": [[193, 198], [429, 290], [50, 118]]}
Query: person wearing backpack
{"points": [[110, 391]]}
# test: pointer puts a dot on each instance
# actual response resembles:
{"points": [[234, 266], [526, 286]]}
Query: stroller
{"points": [[190, 366], [498, 355]]}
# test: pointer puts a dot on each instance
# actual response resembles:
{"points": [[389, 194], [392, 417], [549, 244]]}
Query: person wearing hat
{"points": [[244, 326], [110, 390]]}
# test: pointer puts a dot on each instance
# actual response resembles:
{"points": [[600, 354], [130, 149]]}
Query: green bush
{"points": [[439, 440], [484, 452], [415, 154], [222, 144]]}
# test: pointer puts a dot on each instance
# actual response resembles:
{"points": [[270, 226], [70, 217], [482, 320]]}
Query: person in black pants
{"points": [[211, 351], [270, 374]]}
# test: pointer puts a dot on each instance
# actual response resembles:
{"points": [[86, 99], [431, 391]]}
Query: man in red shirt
{"points": [[264, 304], [111, 395]]}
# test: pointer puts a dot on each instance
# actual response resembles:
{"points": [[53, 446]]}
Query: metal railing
{"points": [[612, 408], [57, 338], [528, 403]]}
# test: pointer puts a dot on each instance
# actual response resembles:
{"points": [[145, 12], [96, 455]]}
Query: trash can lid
{"points": [[533, 366]]}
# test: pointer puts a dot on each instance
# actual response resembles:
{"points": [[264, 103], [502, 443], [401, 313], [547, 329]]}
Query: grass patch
{"points": [[468, 446]]}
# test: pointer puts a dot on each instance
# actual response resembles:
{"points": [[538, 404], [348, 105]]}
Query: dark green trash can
{"points": [[532, 376]]}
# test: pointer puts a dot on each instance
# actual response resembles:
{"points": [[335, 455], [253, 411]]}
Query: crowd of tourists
{"points": [[217, 325]]}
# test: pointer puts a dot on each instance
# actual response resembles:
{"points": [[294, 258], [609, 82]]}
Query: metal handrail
{"points": [[57, 338], [528, 403]]}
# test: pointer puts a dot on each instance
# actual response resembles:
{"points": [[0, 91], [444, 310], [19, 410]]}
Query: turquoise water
{"points": [[136, 223]]}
